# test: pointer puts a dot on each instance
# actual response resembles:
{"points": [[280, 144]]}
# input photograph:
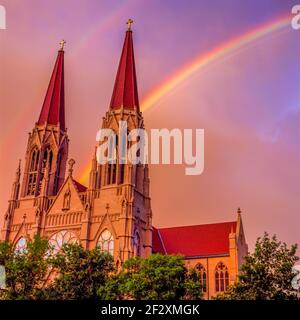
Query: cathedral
{"points": [[114, 210]]}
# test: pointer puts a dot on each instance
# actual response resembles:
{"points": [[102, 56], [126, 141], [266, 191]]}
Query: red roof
{"points": [[125, 89], [80, 187], [157, 243], [192, 241], [53, 110]]}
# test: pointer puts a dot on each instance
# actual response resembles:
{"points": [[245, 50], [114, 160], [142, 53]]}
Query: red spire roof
{"points": [[125, 89], [53, 110], [194, 241]]}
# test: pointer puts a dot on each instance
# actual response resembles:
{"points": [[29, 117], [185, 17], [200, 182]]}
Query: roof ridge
{"points": [[196, 225]]}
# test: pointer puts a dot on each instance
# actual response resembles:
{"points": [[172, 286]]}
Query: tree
{"points": [[266, 273], [78, 273], [25, 270], [158, 277]]}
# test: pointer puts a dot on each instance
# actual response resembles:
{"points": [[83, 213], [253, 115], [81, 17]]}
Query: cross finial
{"points": [[62, 44], [71, 163], [129, 23]]}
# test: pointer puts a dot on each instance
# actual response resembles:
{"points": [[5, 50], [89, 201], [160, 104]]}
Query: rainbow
{"points": [[204, 59]]}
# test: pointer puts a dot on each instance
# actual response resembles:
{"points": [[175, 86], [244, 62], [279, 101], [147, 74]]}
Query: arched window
{"points": [[202, 275], [106, 242], [57, 173], [47, 157], [60, 238], [110, 153], [21, 246], [33, 172], [136, 244], [111, 173], [221, 277]]}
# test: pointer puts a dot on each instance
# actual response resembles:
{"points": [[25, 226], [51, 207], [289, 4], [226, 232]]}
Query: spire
{"points": [[53, 110], [125, 92]]}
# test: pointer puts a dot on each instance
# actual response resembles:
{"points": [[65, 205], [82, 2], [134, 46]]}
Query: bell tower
{"points": [[45, 162], [120, 191], [47, 147]]}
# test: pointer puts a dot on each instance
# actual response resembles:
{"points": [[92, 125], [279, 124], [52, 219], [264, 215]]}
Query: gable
{"points": [[67, 199]]}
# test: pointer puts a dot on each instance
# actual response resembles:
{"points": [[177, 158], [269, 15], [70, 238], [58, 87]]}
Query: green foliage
{"points": [[266, 273], [159, 277], [26, 270], [78, 273]]}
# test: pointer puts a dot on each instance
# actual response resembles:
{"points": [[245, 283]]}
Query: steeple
{"points": [[53, 110], [125, 93], [48, 142]]}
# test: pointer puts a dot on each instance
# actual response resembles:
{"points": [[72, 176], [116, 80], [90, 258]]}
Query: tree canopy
{"points": [[158, 277], [266, 273], [78, 273], [25, 270]]}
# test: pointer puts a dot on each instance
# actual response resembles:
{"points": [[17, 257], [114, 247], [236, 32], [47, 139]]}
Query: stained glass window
{"points": [[21, 245], [221, 277], [60, 238], [136, 244], [33, 171], [202, 275], [106, 242]]}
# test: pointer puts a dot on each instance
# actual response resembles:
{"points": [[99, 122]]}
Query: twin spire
{"points": [[53, 110], [125, 93]]}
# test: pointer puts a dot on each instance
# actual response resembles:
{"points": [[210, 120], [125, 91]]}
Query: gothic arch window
{"points": [[106, 242], [111, 173], [60, 238], [47, 159], [57, 174], [21, 246], [111, 166], [33, 172], [124, 146], [136, 244], [221, 277], [202, 275]]}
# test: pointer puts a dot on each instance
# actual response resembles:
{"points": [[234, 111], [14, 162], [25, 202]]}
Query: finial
{"points": [[239, 211], [62, 44], [129, 23], [71, 163]]}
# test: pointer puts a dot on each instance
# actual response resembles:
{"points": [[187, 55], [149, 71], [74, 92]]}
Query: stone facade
{"points": [[114, 211]]}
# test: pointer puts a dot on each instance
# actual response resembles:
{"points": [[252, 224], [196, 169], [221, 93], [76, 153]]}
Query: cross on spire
{"points": [[125, 93], [62, 44], [53, 110], [129, 23]]}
